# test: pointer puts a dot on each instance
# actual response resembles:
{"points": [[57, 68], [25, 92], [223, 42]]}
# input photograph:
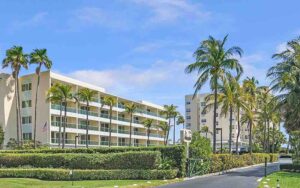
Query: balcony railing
{"points": [[91, 127], [69, 125], [90, 142], [105, 143], [67, 141]]}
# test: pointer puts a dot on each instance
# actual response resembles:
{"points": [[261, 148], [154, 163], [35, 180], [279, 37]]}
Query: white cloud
{"points": [[33, 21], [281, 47], [148, 47], [172, 10]]}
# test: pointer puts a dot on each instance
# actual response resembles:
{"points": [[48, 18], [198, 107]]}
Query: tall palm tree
{"points": [[39, 57], [168, 112], [180, 120], [130, 108], [213, 61], [111, 102], [175, 115], [205, 130], [148, 124], [16, 59], [86, 95], [66, 92], [164, 127], [54, 96]]}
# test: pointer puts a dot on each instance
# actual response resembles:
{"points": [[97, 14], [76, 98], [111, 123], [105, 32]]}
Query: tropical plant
{"points": [[39, 57], [205, 130], [111, 102], [164, 127], [86, 95], [180, 120], [130, 108], [168, 112], [148, 123], [175, 115], [55, 96], [213, 62], [16, 59]]}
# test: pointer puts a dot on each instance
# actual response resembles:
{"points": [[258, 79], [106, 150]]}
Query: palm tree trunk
{"points": [[238, 134], [110, 119], [268, 140], [250, 137], [265, 127], [206, 134], [174, 130], [87, 125], [130, 127], [168, 132], [65, 124], [148, 134], [17, 111], [230, 128], [60, 123], [35, 105], [215, 114]]}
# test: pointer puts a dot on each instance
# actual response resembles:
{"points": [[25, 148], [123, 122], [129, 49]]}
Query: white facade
{"points": [[49, 114], [196, 119]]}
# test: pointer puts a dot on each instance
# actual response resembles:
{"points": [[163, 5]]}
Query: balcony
{"points": [[105, 143], [90, 127], [67, 141], [104, 129], [90, 142], [69, 125]]}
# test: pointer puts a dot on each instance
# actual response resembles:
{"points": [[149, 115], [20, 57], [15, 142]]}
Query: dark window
{"points": [[26, 104], [26, 87]]}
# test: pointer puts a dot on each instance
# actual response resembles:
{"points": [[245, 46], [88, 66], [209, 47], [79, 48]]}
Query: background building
{"points": [[48, 114], [196, 118]]}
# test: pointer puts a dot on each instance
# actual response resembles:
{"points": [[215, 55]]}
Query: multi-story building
{"points": [[48, 116], [196, 118]]}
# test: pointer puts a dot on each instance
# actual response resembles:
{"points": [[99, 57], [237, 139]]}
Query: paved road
{"points": [[242, 178]]}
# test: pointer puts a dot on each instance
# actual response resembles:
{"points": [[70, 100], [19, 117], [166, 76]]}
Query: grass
{"points": [[27, 182], [286, 180]]}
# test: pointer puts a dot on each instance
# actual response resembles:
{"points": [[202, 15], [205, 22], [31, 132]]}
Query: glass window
{"points": [[26, 120], [26, 87], [26, 104], [188, 102], [27, 136], [188, 117], [203, 103], [188, 110], [203, 120]]}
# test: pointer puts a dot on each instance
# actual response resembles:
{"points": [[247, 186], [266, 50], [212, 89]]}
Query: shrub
{"points": [[175, 153], [200, 147], [125, 160], [63, 174]]}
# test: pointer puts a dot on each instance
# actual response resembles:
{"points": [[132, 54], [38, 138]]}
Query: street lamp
{"points": [[76, 140], [220, 129]]}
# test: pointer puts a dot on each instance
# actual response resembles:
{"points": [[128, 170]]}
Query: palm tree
{"points": [[164, 127], [16, 59], [168, 112], [148, 124], [130, 108], [39, 57], [86, 95], [213, 61], [111, 102], [175, 114], [180, 120], [205, 130], [54, 95]]}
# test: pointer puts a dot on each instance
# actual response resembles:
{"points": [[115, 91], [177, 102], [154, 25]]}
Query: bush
{"points": [[63, 174], [200, 147], [174, 153], [125, 160]]}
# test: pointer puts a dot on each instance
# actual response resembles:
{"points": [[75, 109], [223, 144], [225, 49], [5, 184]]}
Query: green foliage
{"points": [[200, 147], [1, 136], [175, 153], [28, 144], [125, 160], [63, 174]]}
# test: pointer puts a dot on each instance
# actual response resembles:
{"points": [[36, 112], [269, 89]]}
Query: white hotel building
{"points": [[48, 114]]}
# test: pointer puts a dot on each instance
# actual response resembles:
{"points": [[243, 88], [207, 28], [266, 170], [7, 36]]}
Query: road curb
{"points": [[224, 172]]}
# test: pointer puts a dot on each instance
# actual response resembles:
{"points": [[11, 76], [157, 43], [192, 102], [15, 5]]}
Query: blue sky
{"points": [[139, 48]]}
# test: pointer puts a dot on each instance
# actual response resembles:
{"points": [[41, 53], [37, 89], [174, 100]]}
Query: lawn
{"points": [[286, 180], [26, 182]]}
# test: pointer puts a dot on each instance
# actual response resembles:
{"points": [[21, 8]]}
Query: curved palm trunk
{"points": [[60, 123], [35, 105], [265, 129], [215, 115], [167, 138], [230, 129], [19, 124], [17, 110], [238, 134], [110, 119], [130, 127], [148, 135], [174, 130], [87, 125], [268, 139], [65, 124], [250, 137]]}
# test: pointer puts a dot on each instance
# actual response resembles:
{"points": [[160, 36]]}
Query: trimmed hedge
{"points": [[174, 153], [221, 162], [63, 174], [125, 160]]}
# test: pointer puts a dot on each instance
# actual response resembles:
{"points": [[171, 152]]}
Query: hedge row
{"points": [[221, 162], [64, 174], [125, 160], [174, 153]]}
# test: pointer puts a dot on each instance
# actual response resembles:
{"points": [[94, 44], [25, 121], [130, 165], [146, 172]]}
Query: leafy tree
{"points": [[16, 59], [86, 96], [164, 127], [199, 147], [111, 102], [130, 108], [148, 123], [169, 112], [205, 130], [213, 62], [39, 57], [180, 120]]}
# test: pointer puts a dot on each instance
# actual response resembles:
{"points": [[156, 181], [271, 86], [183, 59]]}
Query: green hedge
{"points": [[63, 174], [174, 153], [125, 160], [221, 162]]}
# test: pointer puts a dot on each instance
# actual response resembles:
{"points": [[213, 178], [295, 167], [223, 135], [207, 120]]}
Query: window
{"points": [[203, 120], [26, 104], [27, 136], [217, 123], [121, 141], [203, 103], [246, 137], [188, 110], [26, 87], [188, 102], [217, 114], [26, 120], [104, 139], [188, 117], [188, 125], [203, 112]]}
